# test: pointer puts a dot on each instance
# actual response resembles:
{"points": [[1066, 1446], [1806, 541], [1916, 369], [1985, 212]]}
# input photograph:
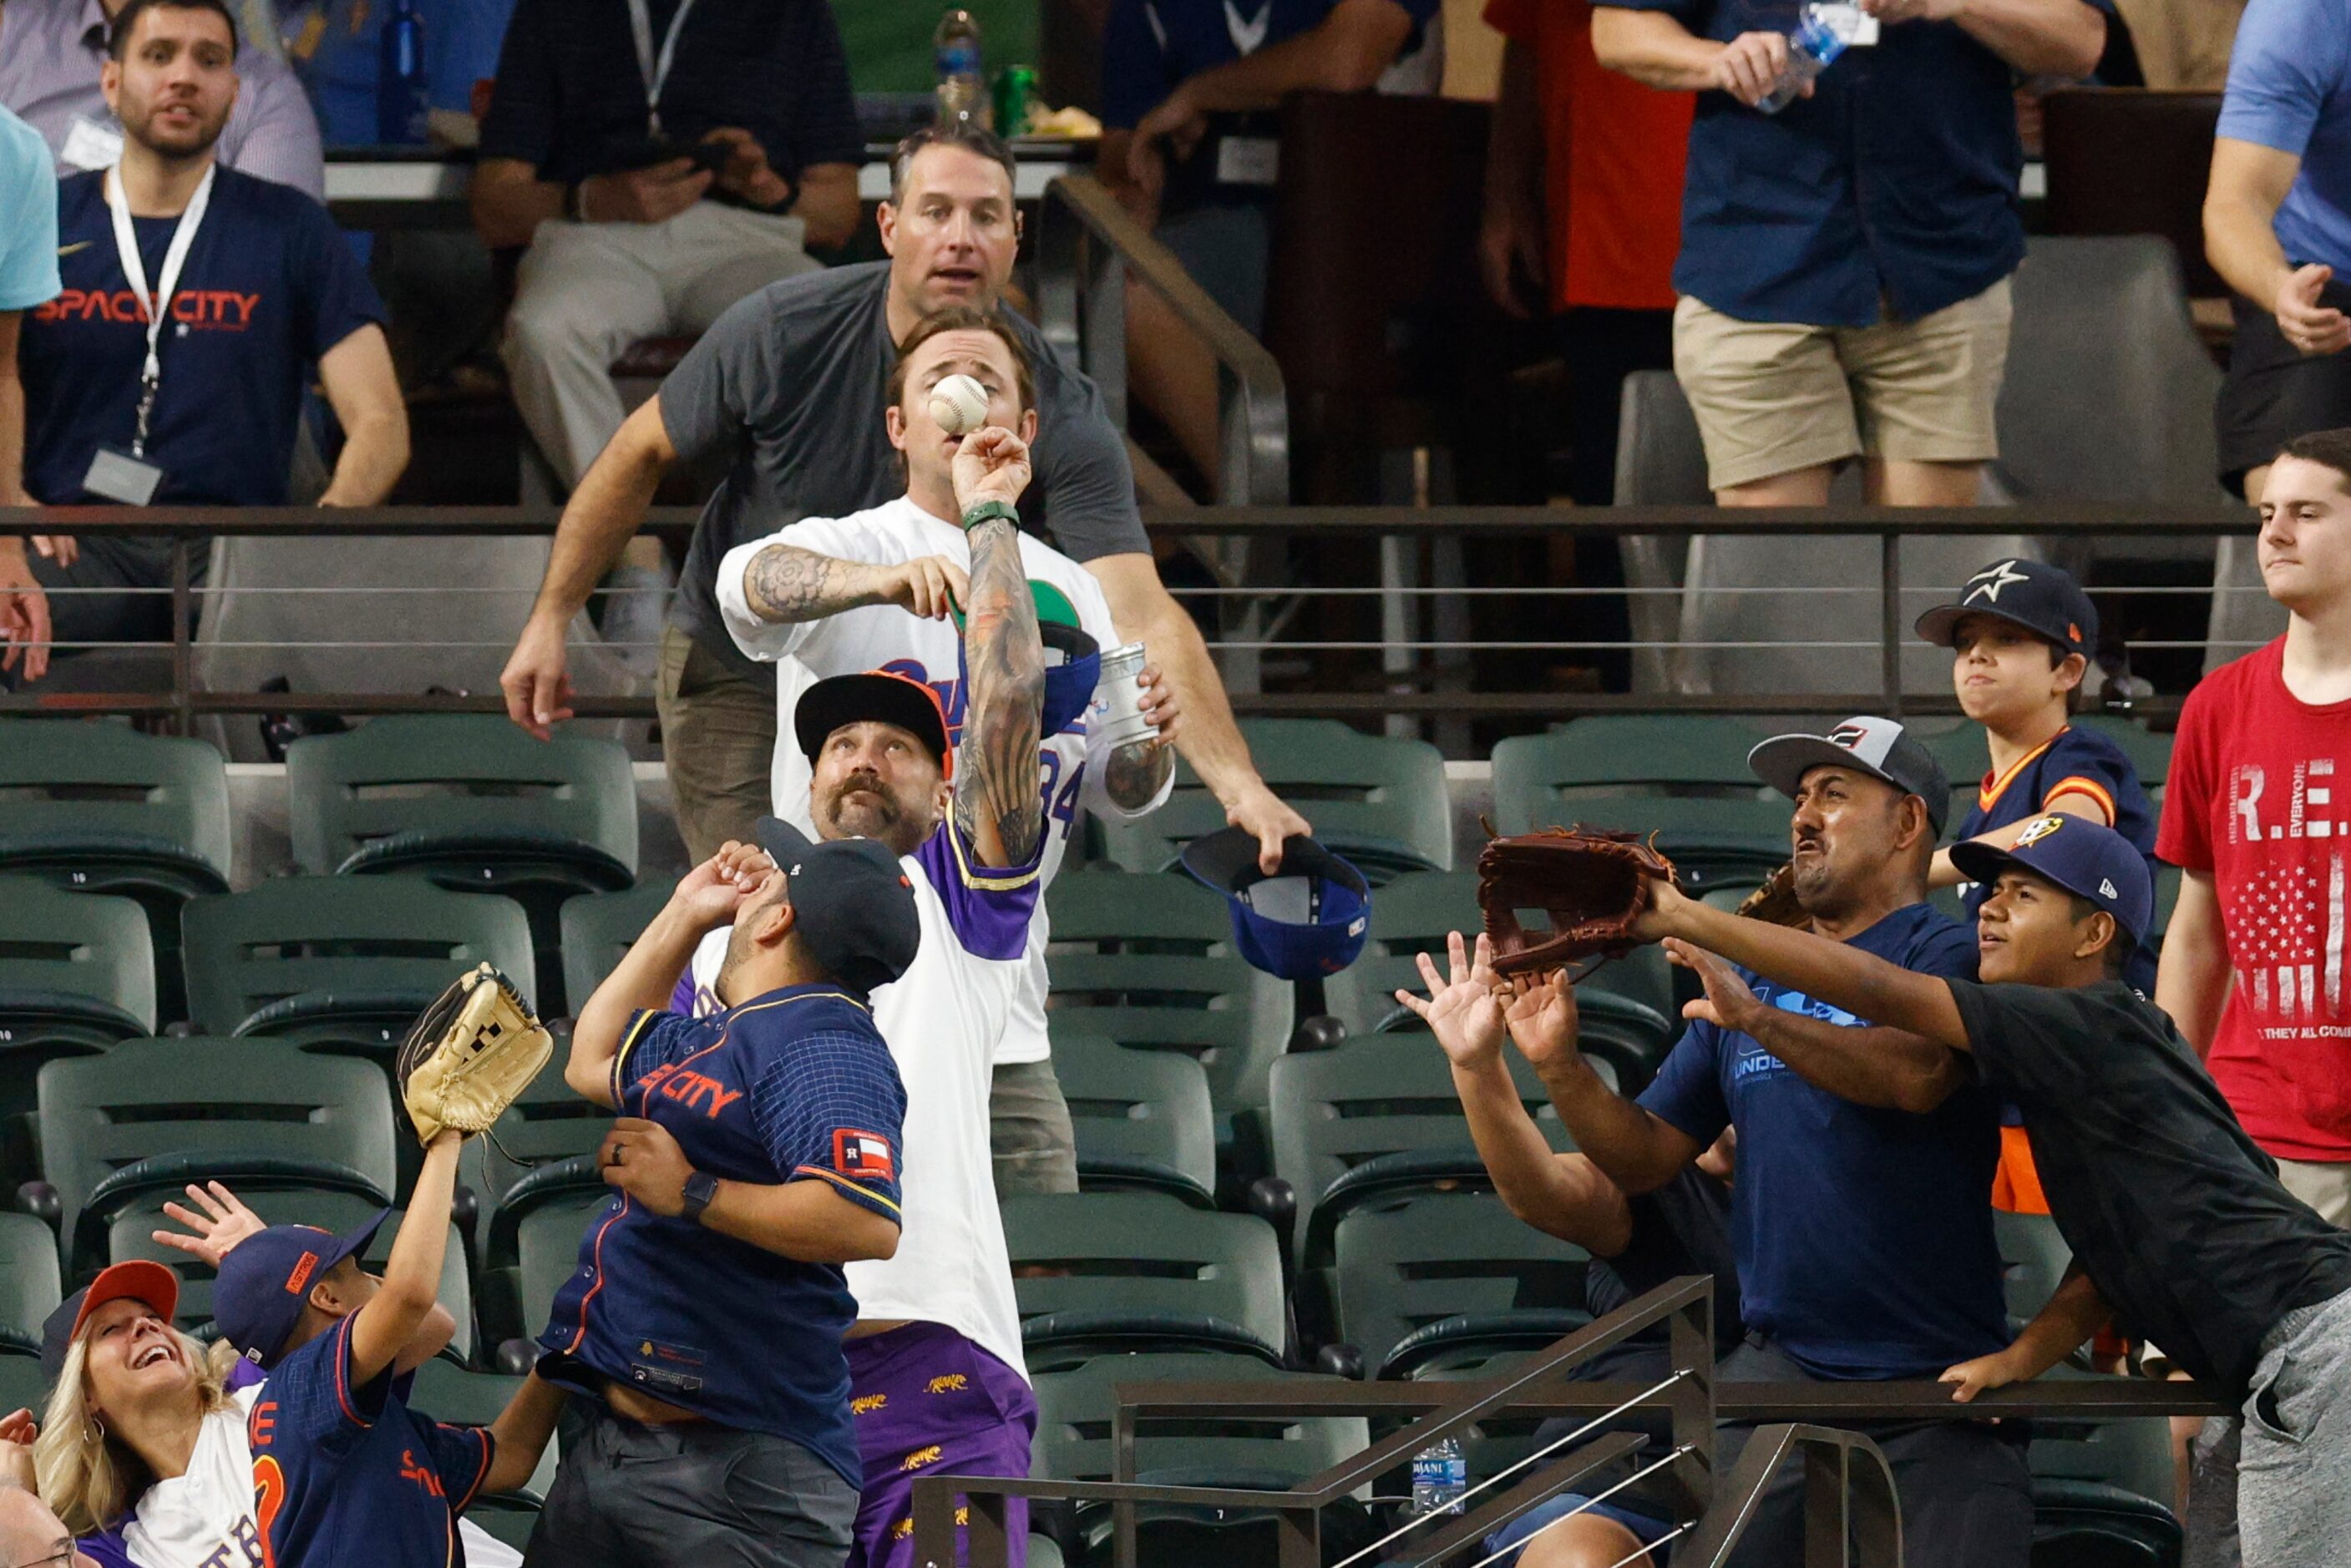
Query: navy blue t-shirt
{"points": [[336, 1465], [794, 1086], [268, 289], [2078, 762], [1864, 1236]]}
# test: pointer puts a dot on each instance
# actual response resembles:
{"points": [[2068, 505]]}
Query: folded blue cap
{"points": [[266, 1279], [1308, 918]]}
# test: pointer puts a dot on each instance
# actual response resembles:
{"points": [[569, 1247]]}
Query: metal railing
{"points": [[1852, 1514]]}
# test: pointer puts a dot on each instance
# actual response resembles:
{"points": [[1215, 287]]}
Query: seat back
{"points": [[93, 784], [2033, 1260], [377, 937], [1148, 961], [461, 1394], [599, 928], [1141, 1255], [60, 944], [1612, 770], [29, 1286], [144, 1098], [547, 1122], [1406, 1263], [1411, 916], [1133, 1109], [2129, 161], [546, 1246], [463, 776], [2243, 615], [1075, 1407]]}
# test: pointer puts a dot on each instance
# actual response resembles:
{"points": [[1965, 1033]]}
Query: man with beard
{"points": [[1860, 1220], [194, 403]]}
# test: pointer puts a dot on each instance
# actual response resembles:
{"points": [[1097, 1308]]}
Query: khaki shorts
{"points": [[2324, 1187], [1772, 398]]}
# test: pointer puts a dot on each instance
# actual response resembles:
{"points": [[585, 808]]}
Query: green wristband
{"points": [[981, 511]]}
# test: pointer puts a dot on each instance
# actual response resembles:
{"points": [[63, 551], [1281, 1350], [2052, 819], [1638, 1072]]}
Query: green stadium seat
{"points": [[1142, 1120], [1379, 802], [1680, 776], [547, 1123], [1402, 1265], [2097, 1492], [341, 962], [1095, 1272], [76, 969], [23, 1385], [448, 1392], [100, 809], [475, 805], [2149, 753], [150, 1116], [598, 930], [537, 1231], [1148, 961], [29, 1285]]}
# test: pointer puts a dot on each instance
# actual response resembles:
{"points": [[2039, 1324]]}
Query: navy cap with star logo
{"points": [[2044, 599]]}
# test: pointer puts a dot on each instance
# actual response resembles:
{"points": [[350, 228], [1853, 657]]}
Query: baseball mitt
{"points": [[1775, 901], [1593, 886], [471, 1053]]}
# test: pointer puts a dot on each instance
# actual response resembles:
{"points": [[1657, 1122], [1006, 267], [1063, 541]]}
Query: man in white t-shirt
{"points": [[875, 590]]}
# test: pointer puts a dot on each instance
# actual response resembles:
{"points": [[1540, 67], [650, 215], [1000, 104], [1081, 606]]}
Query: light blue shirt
{"points": [[2290, 88], [28, 245]]}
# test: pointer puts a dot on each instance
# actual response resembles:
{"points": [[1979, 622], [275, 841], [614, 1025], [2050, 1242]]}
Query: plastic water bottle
{"points": [[399, 91], [1811, 48], [962, 89], [1440, 1475]]}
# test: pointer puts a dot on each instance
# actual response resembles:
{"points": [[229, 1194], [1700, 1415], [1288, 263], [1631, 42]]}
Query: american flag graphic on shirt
{"points": [[2285, 921]]}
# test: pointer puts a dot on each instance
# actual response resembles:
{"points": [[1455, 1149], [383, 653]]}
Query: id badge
{"points": [[90, 145], [1248, 161], [1851, 23], [119, 476]]}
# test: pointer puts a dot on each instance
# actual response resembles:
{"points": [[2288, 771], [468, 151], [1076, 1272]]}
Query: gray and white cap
{"points": [[1881, 748]]}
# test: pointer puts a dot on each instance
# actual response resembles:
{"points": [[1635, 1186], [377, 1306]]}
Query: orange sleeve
{"points": [[2077, 784]]}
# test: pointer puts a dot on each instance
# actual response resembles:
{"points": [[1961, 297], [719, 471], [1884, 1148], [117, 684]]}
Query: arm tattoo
{"points": [[1134, 772], [785, 584], [997, 778]]}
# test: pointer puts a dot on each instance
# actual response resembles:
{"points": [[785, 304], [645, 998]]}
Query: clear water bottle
{"points": [[1811, 48], [401, 96], [1440, 1475], [962, 89]]}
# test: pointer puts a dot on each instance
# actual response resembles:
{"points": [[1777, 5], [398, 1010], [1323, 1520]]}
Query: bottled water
{"points": [[1440, 1474], [1811, 48], [962, 89], [399, 89]]}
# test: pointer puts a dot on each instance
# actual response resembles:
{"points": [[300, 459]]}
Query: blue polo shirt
{"points": [[28, 190], [268, 289], [1150, 47], [1863, 1236], [2290, 89], [1893, 190], [794, 1086]]}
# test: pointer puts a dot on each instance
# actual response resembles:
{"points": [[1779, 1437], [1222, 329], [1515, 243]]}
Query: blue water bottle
{"points": [[1811, 48], [399, 91]]}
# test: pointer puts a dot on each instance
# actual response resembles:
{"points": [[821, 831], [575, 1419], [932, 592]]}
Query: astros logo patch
{"points": [[2039, 829], [862, 1154]]}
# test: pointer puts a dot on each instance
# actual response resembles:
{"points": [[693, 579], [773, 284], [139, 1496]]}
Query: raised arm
{"points": [[998, 804], [385, 1323]]}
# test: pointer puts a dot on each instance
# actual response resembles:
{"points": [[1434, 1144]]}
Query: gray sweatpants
{"points": [[2293, 1474]]}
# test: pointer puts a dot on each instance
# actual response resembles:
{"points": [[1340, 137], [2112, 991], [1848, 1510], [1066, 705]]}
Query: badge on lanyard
{"points": [[114, 474], [653, 69]]}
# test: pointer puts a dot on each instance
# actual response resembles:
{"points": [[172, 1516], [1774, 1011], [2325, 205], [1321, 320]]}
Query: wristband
{"points": [[980, 512]]}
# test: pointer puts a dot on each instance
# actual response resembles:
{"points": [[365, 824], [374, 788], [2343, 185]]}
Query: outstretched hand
{"points": [[1541, 1018], [712, 892], [1461, 1008], [223, 1222], [1728, 1002], [990, 464]]}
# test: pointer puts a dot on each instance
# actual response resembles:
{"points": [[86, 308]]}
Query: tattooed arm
{"points": [[785, 584], [998, 803]]}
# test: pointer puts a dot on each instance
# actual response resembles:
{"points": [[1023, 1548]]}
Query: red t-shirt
{"points": [[1613, 163], [2260, 796]]}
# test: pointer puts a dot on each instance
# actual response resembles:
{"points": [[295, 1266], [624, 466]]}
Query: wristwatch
{"points": [[981, 511], [700, 1189]]}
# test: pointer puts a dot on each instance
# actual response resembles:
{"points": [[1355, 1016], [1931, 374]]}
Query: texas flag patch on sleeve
{"points": [[862, 1155]]}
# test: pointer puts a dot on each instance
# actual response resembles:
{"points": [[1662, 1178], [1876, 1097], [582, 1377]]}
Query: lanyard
{"points": [[652, 71], [158, 301]]}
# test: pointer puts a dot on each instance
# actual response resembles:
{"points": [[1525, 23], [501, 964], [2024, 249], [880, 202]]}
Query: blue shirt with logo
{"points": [[268, 289], [794, 1086], [336, 1464], [1864, 1236]]}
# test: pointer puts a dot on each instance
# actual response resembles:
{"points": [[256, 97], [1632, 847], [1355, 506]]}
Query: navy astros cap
{"points": [[883, 696], [2079, 856], [1308, 918], [149, 1283], [2044, 600], [265, 1281], [853, 901], [1879, 747]]}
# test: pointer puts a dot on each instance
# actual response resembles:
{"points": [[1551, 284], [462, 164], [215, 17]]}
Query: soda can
{"points": [[1117, 713], [1016, 99]]}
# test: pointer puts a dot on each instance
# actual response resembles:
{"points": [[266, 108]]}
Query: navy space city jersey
{"points": [[2073, 762], [334, 1465], [793, 1085]]}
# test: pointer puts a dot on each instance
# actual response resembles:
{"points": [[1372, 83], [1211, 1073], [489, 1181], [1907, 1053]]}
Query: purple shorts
{"points": [[926, 1398]]}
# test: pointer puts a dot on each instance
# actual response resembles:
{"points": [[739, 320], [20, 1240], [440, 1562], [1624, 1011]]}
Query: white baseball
{"points": [[959, 404]]}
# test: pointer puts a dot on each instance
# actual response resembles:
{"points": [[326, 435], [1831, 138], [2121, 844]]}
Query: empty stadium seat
{"points": [[23, 1385], [599, 928], [76, 969], [100, 809], [1419, 1260], [2097, 1491], [30, 1285], [342, 962], [1378, 802], [1142, 1118], [448, 1392], [139, 1122], [1148, 961], [534, 1235], [547, 1122], [474, 804], [2132, 160], [1095, 1272]]}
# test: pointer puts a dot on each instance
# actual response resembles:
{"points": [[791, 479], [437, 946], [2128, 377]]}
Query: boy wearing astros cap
{"points": [[2175, 1218]]}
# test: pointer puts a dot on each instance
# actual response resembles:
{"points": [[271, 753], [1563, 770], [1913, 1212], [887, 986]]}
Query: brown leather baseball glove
{"points": [[1591, 885], [1775, 901]]}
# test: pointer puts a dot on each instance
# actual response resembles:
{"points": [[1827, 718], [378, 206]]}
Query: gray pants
{"points": [[693, 1495], [2293, 1475], [1034, 1148]]}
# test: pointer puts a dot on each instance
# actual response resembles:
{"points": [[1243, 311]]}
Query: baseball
{"points": [[959, 404]]}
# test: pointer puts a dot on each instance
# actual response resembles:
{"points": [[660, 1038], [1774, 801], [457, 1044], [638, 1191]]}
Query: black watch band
{"points": [[700, 1189]]}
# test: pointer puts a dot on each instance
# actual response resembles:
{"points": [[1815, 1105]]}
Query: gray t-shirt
{"points": [[793, 382]]}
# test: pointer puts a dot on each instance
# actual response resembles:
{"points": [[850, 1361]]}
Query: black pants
{"points": [[88, 601], [2275, 392], [1601, 347]]}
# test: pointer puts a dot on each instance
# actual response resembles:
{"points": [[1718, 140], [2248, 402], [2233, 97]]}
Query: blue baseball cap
{"points": [[1073, 671], [855, 903], [1308, 918], [2085, 858], [2044, 599], [265, 1281]]}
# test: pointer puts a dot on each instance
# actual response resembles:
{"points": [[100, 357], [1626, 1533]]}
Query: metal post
{"points": [[1123, 1462], [183, 678], [990, 1541], [1105, 320], [1889, 624], [1300, 1535], [1691, 1342]]}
